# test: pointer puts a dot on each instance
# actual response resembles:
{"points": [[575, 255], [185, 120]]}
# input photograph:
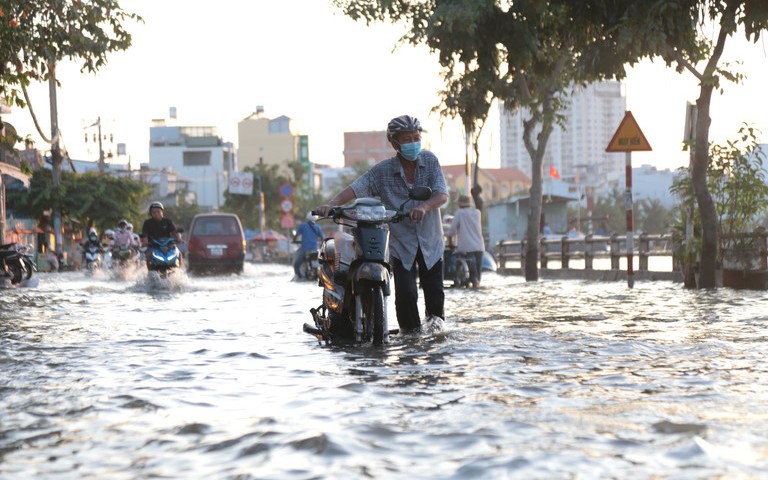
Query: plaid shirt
{"points": [[387, 181]]}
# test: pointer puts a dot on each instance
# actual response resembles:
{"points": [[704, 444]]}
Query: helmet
{"points": [[403, 123], [129, 227], [310, 217], [156, 205], [109, 233], [122, 223], [92, 235]]}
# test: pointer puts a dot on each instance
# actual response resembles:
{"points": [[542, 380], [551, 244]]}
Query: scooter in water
{"points": [[93, 258], [163, 256], [354, 272], [13, 264]]}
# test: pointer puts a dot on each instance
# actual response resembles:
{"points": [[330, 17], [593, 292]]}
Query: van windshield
{"points": [[216, 226]]}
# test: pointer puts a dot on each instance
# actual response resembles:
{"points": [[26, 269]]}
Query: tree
{"points": [[34, 33], [736, 182], [701, 57], [527, 54], [89, 198]]}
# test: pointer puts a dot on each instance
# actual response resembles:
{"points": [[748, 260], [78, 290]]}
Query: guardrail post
{"points": [[643, 249], [543, 252], [565, 253], [588, 254], [615, 251], [523, 251]]}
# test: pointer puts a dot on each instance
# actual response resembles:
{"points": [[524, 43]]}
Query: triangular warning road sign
{"points": [[628, 137]]}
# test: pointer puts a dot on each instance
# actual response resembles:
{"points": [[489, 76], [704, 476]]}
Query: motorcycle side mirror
{"points": [[420, 193]]}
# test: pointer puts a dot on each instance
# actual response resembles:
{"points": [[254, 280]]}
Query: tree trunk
{"points": [[534, 220], [708, 256], [536, 152]]}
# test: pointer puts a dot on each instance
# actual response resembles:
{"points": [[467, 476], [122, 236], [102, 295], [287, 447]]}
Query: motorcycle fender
{"points": [[373, 272]]}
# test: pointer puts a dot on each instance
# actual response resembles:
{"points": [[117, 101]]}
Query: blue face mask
{"points": [[410, 150]]}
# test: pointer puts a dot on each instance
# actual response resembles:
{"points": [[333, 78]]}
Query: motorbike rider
{"points": [[416, 244], [123, 238], [92, 240], [469, 237], [157, 226], [310, 234]]}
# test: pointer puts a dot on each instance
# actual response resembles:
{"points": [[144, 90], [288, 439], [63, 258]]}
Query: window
{"points": [[197, 158]]}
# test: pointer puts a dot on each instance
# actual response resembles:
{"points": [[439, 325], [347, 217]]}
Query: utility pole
{"points": [[101, 149], [55, 154]]}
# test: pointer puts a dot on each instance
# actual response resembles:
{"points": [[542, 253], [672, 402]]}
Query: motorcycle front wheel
{"points": [[17, 273], [374, 321]]}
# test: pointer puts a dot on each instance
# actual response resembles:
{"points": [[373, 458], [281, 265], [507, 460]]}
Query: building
{"points": [[196, 154], [508, 219], [578, 151], [366, 148], [328, 181], [270, 141], [649, 183], [497, 183]]}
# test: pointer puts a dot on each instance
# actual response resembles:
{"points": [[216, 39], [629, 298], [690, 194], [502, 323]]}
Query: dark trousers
{"points": [[407, 291], [475, 264]]}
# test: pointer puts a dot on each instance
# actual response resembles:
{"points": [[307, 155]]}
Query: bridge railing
{"points": [[564, 249]]}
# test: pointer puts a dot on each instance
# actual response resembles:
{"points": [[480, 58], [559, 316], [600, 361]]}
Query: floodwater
{"points": [[214, 379]]}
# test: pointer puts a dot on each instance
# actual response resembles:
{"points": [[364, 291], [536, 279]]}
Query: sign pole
{"points": [[629, 138], [630, 220]]}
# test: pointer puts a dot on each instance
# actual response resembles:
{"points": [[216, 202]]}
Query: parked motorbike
{"points": [[28, 258], [164, 257], [13, 263], [354, 272]]}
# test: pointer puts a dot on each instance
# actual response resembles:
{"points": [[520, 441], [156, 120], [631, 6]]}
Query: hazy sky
{"points": [[215, 62]]}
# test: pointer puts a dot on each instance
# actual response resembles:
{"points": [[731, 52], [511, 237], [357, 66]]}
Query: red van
{"points": [[215, 243]]}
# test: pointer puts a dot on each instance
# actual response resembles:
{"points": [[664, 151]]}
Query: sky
{"points": [[216, 62]]}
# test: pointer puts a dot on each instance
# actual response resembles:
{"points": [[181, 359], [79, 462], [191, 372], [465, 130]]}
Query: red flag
{"points": [[553, 172]]}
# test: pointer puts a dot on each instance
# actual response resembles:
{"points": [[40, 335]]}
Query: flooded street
{"points": [[215, 379]]}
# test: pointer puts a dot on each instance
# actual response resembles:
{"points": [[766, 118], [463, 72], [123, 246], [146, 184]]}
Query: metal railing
{"points": [[589, 248]]}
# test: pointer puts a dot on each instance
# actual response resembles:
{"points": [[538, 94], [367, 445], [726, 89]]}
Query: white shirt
{"points": [[466, 225]]}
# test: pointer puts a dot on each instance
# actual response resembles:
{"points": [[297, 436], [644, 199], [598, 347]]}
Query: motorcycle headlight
{"points": [[370, 213]]}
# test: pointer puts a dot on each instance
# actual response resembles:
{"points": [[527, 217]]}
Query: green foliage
{"points": [[270, 178], [34, 32], [736, 180], [181, 215], [89, 198]]}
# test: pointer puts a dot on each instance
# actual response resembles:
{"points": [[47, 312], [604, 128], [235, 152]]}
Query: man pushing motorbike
{"points": [[416, 245]]}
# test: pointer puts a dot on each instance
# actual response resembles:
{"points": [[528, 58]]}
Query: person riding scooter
{"points": [[157, 227]]}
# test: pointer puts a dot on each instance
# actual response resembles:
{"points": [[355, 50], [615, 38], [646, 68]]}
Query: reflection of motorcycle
{"points": [[355, 270], [310, 265], [13, 263], [163, 256]]}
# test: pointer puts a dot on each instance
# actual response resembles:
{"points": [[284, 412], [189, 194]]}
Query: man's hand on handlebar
{"points": [[322, 210], [417, 213]]}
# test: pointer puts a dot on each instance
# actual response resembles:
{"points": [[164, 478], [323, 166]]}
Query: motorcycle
{"points": [[13, 263], [92, 256], [310, 265], [354, 272], [28, 258], [164, 257]]}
